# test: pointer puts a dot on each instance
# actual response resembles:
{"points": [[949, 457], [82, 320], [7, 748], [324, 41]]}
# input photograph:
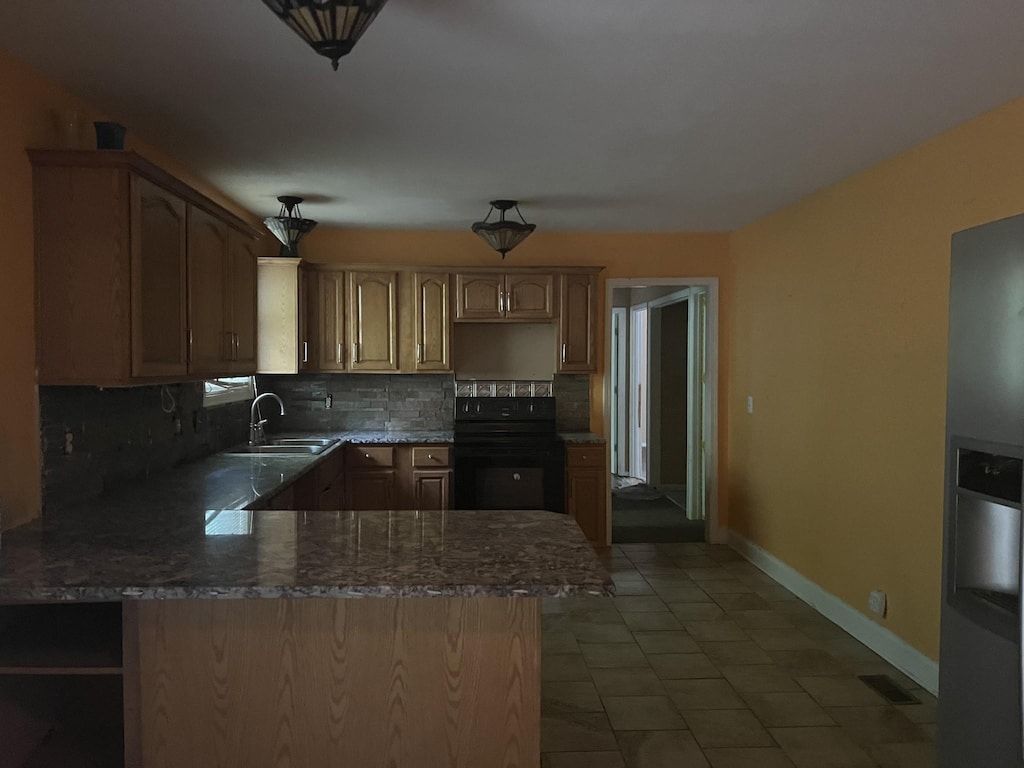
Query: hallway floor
{"points": [[702, 661]]}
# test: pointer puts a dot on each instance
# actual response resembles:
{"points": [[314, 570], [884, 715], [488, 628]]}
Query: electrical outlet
{"points": [[750, 403], [69, 442], [877, 602], [329, 401]]}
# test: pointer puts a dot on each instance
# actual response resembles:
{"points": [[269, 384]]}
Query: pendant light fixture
{"points": [[503, 235], [329, 27], [288, 226]]}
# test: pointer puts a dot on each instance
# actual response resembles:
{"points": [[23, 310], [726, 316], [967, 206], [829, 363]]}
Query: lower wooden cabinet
{"points": [[586, 494], [397, 477]]}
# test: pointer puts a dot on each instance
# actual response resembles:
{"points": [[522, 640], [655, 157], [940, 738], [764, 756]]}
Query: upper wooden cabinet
{"points": [[489, 296], [329, 321], [281, 313], [114, 242], [576, 336], [241, 300], [433, 322], [158, 329], [373, 321]]}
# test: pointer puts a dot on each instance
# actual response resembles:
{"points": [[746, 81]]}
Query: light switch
{"points": [[750, 403]]}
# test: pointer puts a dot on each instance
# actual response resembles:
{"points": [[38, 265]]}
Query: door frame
{"points": [[713, 532], [639, 375]]}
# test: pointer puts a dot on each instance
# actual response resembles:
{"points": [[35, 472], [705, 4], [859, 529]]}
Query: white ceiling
{"points": [[600, 115]]}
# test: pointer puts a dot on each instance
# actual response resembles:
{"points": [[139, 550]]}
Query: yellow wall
{"points": [[840, 312], [27, 120], [623, 256]]}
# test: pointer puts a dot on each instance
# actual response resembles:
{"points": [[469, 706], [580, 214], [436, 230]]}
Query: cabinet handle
{"points": [[419, 353], [188, 352], [501, 301], [563, 353], [305, 352], [339, 359], [355, 352], [236, 345]]}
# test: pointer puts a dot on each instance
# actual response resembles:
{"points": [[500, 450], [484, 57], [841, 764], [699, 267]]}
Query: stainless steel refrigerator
{"points": [[980, 678]]}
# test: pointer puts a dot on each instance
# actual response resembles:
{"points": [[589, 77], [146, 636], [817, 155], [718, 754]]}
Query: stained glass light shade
{"points": [[503, 235], [288, 226], [329, 27]]}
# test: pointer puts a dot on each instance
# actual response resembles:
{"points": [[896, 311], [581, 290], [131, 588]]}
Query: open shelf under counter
{"points": [[61, 639]]}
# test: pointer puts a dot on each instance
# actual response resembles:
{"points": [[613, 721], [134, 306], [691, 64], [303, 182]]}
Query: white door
{"points": [[639, 392]]}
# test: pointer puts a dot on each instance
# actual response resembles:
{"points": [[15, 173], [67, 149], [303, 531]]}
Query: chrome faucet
{"points": [[256, 436]]}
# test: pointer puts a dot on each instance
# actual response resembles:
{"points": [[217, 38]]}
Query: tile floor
{"points": [[702, 661]]}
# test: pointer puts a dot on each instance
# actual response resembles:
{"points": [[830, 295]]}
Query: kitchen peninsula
{"points": [[289, 638]]}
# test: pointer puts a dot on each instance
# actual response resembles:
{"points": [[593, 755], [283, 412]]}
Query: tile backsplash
{"points": [[96, 439], [485, 388]]}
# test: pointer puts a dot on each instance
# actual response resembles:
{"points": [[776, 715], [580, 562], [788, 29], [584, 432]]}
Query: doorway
{"points": [[660, 413]]}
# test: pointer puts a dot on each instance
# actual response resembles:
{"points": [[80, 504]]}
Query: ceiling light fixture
{"points": [[288, 226], [330, 27], [503, 235]]}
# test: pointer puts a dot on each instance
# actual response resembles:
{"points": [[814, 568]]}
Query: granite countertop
{"points": [[188, 534], [174, 553], [581, 437]]}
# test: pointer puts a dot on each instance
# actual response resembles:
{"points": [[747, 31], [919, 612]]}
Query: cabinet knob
{"points": [[430, 456], [366, 455]]}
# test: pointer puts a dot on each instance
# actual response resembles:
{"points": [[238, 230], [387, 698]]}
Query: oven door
{"points": [[509, 478]]}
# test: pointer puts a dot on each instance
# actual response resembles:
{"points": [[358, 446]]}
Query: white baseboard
{"points": [[882, 641]]}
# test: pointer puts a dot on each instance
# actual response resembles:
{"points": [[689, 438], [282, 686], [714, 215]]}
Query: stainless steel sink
{"points": [[284, 446], [304, 441]]}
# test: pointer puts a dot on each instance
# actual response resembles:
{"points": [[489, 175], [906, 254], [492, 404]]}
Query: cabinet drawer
{"points": [[585, 455], [434, 456], [370, 456]]}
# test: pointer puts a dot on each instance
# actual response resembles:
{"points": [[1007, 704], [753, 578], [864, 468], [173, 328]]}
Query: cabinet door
{"points": [[242, 287], [308, 287], [433, 323], [158, 243], [529, 297], [330, 321], [576, 323], [373, 321], [477, 297], [430, 489], [211, 344], [585, 497], [368, 490]]}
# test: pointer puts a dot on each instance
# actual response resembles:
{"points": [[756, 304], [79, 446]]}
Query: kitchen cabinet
{"points": [[373, 321], [329, 320], [241, 301], [433, 322], [397, 477], [576, 313], [286, 303], [586, 478], [490, 296], [159, 235], [113, 236], [210, 342], [430, 478], [221, 269], [370, 477]]}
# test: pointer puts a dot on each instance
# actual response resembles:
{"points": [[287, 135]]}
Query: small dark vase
{"points": [[109, 135]]}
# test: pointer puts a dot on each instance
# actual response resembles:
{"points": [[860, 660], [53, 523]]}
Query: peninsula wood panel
{"points": [[316, 682]]}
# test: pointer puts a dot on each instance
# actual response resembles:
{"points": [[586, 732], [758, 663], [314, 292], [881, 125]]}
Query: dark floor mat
{"points": [[652, 521]]}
